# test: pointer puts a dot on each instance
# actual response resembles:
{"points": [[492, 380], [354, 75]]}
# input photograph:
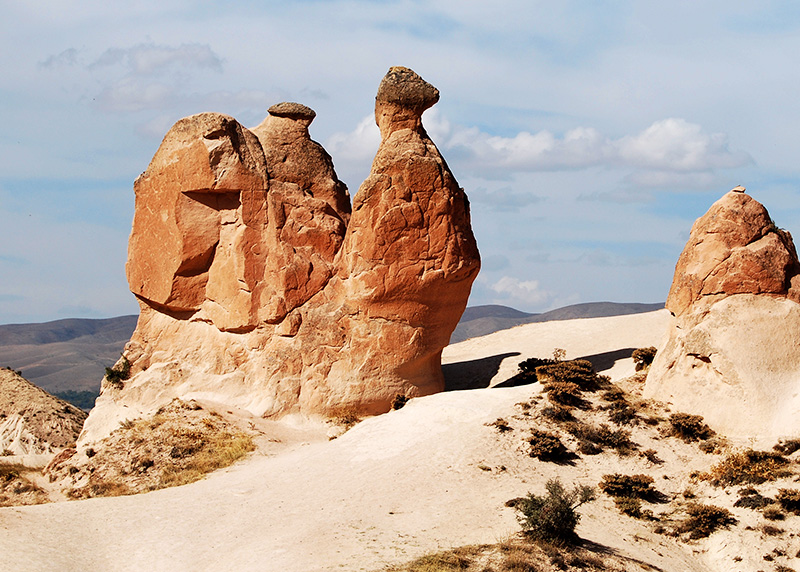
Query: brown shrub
{"points": [[689, 427], [704, 519], [547, 447]]}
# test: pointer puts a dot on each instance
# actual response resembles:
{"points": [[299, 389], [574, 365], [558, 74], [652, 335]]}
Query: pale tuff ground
{"points": [[430, 476]]}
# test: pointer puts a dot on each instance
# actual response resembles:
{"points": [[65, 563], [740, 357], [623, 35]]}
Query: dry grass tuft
{"points": [[179, 445], [16, 489]]}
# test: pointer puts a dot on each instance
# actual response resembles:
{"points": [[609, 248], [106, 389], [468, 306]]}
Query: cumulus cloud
{"points": [[677, 145], [669, 152]]}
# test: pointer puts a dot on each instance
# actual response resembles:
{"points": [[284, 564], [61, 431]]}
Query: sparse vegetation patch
{"points": [[747, 467], [179, 445]]}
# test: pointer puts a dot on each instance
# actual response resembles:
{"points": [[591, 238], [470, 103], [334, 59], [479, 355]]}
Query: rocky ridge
{"points": [[33, 422]]}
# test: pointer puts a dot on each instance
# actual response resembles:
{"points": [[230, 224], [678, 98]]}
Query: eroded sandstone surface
{"points": [[259, 288], [731, 352]]}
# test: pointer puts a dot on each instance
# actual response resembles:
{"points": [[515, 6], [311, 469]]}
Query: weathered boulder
{"points": [[258, 288], [731, 351]]}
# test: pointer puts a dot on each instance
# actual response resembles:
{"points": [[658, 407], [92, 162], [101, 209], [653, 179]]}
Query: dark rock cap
{"points": [[404, 87], [292, 110]]}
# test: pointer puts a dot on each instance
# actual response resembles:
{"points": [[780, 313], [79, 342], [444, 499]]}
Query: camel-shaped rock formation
{"points": [[731, 353], [259, 289]]}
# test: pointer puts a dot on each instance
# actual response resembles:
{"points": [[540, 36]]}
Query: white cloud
{"points": [[360, 144], [68, 57], [669, 152], [146, 59], [524, 292], [677, 145]]}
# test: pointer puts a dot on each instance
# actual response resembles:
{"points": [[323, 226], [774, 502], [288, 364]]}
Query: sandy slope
{"points": [[392, 488]]}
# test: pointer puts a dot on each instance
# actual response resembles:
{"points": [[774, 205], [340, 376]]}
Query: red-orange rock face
{"points": [[734, 248], [258, 287]]}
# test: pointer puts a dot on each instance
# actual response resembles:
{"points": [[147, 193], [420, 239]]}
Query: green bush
{"points": [[553, 517], [643, 357], [703, 519], [689, 427], [119, 373]]}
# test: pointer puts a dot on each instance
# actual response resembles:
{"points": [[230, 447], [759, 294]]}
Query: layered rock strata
{"points": [[260, 289], [731, 353]]}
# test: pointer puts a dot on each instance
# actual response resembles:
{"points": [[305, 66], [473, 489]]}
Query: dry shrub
{"points": [[769, 530], [345, 417], [579, 371], [689, 427], [632, 486], [16, 489], [565, 393], [652, 456], [601, 436], [787, 447], [750, 498], [704, 519], [746, 467], [622, 413], [643, 357], [773, 512], [501, 425], [547, 447], [558, 413], [789, 499]]}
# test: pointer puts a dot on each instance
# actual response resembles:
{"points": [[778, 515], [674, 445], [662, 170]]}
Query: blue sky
{"points": [[588, 135]]}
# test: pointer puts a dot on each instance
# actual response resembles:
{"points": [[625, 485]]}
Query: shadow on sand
{"points": [[477, 373], [473, 374], [606, 360]]}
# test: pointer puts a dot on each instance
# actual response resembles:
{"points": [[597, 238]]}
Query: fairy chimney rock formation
{"points": [[259, 289], [731, 352]]}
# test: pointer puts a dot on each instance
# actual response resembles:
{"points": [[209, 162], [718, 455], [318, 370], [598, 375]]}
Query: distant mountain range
{"points": [[482, 320], [68, 357]]}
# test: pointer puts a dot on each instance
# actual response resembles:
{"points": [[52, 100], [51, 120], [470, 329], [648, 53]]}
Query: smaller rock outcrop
{"points": [[33, 422], [731, 352]]}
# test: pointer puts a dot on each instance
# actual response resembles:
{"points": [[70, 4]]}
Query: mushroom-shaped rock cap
{"points": [[292, 110], [405, 88]]}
